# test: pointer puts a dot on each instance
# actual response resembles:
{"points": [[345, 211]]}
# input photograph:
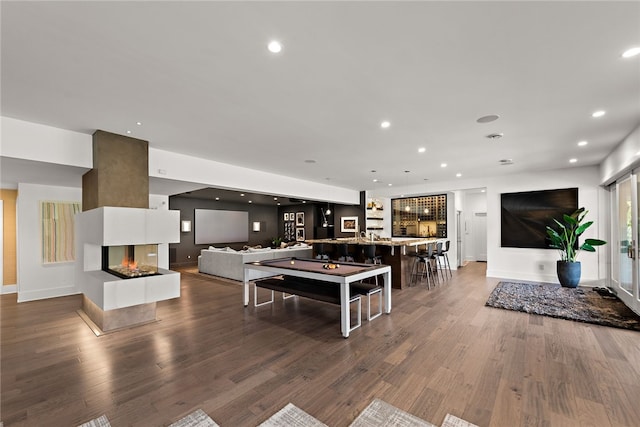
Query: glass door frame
{"points": [[631, 299]]}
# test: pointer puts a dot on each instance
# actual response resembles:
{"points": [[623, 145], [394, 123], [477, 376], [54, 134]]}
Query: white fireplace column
{"points": [[112, 302]]}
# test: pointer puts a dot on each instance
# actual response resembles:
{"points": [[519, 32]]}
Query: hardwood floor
{"points": [[439, 351]]}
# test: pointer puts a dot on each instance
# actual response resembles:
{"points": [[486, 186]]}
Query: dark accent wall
{"points": [[186, 252]]}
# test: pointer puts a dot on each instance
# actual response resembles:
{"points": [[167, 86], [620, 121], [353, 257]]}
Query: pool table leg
{"points": [[345, 318]]}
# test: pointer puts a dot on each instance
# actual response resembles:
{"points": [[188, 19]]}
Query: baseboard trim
{"points": [[8, 289], [25, 296]]}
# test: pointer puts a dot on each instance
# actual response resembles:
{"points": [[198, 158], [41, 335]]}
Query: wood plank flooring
{"points": [[439, 351]]}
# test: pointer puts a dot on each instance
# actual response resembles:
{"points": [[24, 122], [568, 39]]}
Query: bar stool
{"points": [[445, 257], [424, 259], [437, 255], [318, 248], [368, 289], [370, 256], [343, 253]]}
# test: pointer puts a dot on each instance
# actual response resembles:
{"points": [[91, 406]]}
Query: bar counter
{"points": [[394, 253]]}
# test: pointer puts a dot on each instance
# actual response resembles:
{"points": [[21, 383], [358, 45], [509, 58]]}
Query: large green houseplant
{"points": [[565, 239]]}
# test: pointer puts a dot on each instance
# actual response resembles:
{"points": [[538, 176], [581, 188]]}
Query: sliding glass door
{"points": [[625, 266]]}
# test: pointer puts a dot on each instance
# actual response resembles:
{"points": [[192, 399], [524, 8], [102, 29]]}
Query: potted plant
{"points": [[565, 239], [276, 242]]}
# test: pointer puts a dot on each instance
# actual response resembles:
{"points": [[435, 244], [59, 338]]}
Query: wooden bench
{"points": [[308, 288]]}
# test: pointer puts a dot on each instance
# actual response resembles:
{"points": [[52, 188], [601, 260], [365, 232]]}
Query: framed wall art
{"points": [[349, 224], [299, 219]]}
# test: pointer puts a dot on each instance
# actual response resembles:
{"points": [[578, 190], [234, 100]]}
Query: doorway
{"points": [[479, 227], [625, 269]]}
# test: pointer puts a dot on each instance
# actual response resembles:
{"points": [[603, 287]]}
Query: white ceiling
{"points": [[200, 79]]}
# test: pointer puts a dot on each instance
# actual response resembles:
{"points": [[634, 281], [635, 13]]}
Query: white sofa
{"points": [[228, 263]]}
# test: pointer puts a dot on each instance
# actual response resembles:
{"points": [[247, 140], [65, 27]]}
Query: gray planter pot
{"points": [[568, 273]]}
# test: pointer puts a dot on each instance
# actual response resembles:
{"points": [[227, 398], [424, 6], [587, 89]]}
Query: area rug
{"points": [[292, 416], [197, 418], [579, 304], [380, 413], [101, 421]]}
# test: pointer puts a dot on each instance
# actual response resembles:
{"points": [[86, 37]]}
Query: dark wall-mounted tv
{"points": [[525, 215]]}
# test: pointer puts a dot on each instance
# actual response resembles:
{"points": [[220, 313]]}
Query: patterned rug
{"points": [[579, 304]]}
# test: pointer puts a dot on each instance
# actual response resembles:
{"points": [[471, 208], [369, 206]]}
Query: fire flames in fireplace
{"points": [[133, 260]]}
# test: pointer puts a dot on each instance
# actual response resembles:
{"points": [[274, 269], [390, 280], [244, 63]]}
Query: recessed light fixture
{"points": [[422, 150], [139, 123], [304, 201], [573, 160], [217, 198], [385, 124], [505, 162], [630, 53], [443, 165], [483, 191], [494, 136], [598, 113], [458, 175], [389, 184], [275, 198], [278, 203], [309, 161], [274, 46], [128, 132], [582, 143], [241, 194], [375, 180], [488, 119], [250, 201], [373, 170]]}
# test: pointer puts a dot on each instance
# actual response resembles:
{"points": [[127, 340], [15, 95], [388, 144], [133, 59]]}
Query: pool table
{"points": [[346, 273]]}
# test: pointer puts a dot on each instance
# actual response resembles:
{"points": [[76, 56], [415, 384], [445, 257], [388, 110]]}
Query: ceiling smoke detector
{"points": [[494, 136], [505, 162]]}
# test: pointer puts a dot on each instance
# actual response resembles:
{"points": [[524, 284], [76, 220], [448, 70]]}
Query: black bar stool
{"points": [[343, 253], [318, 248]]}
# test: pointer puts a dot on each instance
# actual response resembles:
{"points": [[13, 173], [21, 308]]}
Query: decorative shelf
{"points": [[374, 219], [375, 228], [370, 209]]}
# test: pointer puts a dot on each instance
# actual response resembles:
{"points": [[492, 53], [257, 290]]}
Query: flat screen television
{"points": [[525, 215]]}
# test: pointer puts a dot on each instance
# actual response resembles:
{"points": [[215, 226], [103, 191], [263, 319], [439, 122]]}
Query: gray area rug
{"points": [[197, 418], [101, 421], [292, 416], [380, 413], [453, 421], [579, 304]]}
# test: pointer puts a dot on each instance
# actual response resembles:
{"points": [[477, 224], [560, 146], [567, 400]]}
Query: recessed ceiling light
{"points": [[598, 113], [128, 132], [274, 46], [241, 194], [505, 162], [304, 201], [275, 198], [278, 203], [389, 184], [422, 150], [385, 124], [493, 136], [250, 201], [488, 119], [139, 123], [483, 191], [309, 161], [630, 53], [375, 180], [443, 165], [582, 143], [217, 198], [458, 175], [573, 160]]}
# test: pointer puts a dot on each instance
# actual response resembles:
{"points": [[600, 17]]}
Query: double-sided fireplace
{"points": [[130, 261]]}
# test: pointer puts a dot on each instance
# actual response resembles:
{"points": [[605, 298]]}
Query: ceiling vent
{"points": [[494, 136], [505, 162]]}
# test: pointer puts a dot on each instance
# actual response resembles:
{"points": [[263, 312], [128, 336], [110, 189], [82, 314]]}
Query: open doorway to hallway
{"points": [[472, 232]]}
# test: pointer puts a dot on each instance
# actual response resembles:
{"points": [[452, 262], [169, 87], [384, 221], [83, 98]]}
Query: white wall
{"points": [[540, 264], [33, 141], [622, 159], [35, 279]]}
